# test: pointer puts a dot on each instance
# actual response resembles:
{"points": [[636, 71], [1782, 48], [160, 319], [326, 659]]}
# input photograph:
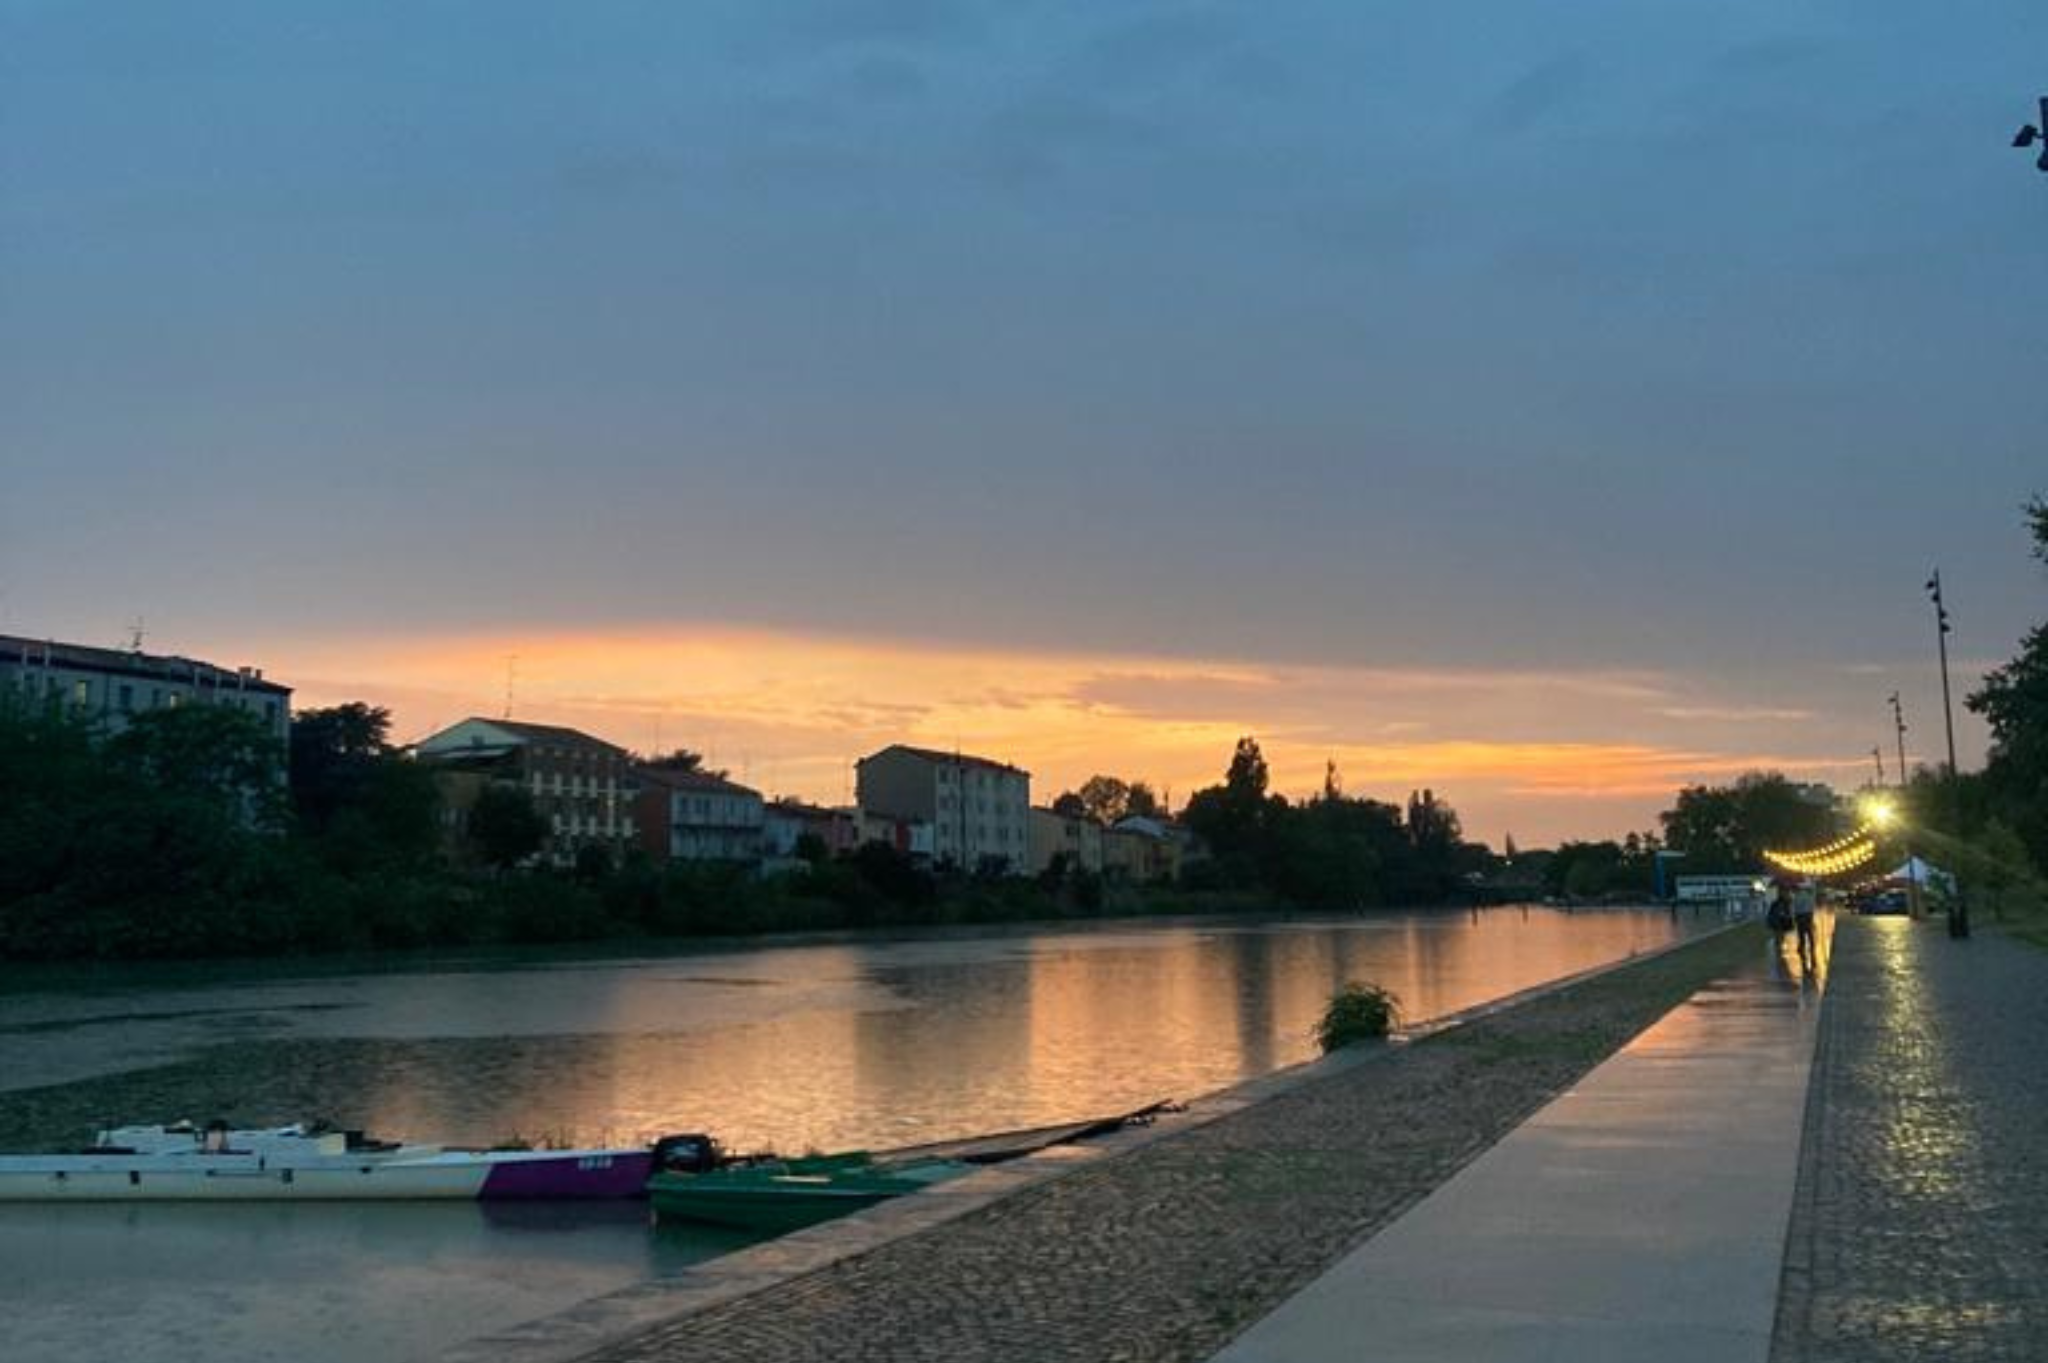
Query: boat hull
{"points": [[786, 1196], [525, 1176]]}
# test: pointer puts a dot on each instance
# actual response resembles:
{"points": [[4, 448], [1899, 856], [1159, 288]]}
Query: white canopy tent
{"points": [[1917, 872]]}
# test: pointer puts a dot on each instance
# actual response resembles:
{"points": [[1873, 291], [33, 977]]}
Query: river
{"points": [[875, 1041]]}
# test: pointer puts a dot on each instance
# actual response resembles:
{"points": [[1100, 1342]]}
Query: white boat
{"points": [[183, 1163]]}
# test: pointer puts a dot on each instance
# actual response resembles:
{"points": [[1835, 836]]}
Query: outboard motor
{"points": [[689, 1154]]}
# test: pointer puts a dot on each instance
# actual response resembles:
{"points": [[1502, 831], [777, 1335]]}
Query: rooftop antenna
{"points": [[135, 632], [511, 678]]}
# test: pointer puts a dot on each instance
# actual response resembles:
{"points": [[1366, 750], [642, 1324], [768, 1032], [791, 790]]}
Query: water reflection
{"points": [[876, 1042], [868, 1043]]}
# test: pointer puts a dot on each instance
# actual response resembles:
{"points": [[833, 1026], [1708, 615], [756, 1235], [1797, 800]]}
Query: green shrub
{"points": [[1358, 1012]]}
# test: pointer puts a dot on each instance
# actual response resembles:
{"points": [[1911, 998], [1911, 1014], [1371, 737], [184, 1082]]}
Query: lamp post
{"points": [[1959, 908], [1905, 841]]}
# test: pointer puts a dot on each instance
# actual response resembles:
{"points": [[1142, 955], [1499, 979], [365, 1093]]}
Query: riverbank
{"points": [[1167, 1251]]}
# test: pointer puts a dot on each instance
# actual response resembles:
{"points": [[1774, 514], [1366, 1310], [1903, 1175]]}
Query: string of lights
{"points": [[1843, 854]]}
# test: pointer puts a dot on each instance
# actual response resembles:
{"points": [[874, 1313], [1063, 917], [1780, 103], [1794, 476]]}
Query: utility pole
{"points": [[1899, 729], [1959, 908], [1906, 824]]}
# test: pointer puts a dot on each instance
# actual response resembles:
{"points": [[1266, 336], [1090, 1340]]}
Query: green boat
{"points": [[775, 1196]]}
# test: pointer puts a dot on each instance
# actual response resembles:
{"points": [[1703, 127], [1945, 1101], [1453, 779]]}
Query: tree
{"points": [[680, 759], [218, 754], [362, 801], [1104, 798], [332, 751], [1728, 828], [1141, 803], [505, 827], [2014, 701], [1236, 818], [1070, 806]]}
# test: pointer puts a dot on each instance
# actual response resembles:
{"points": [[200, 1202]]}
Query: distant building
{"points": [[784, 822], [979, 810], [1076, 837], [109, 686], [696, 816], [914, 838], [1147, 851], [582, 786]]}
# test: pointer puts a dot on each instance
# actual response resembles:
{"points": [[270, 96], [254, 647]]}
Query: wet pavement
{"points": [[1921, 1225], [1641, 1214]]}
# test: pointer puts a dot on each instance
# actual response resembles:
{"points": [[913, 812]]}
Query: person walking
{"points": [[1778, 917], [1802, 922]]}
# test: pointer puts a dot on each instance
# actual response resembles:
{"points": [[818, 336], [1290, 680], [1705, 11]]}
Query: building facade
{"points": [[109, 686], [582, 786], [1075, 837], [979, 809], [785, 822], [696, 816]]}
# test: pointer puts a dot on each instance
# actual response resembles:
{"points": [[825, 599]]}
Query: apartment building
{"points": [[697, 816], [109, 686], [582, 786], [979, 809]]}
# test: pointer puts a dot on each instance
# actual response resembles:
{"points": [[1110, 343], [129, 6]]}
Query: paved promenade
{"points": [[1639, 1216], [1170, 1250], [1921, 1229]]}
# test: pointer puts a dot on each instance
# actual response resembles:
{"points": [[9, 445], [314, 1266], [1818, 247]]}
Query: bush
{"points": [[1359, 1012]]}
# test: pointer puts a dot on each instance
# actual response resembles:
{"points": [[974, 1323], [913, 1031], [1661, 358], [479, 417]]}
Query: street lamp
{"points": [[1912, 883], [2030, 133], [1959, 909]]}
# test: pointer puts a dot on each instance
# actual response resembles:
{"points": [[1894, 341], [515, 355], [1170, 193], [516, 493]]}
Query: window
{"points": [[127, 697], [81, 693]]}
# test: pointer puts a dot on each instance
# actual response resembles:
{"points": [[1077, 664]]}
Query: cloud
{"points": [[1542, 750], [1734, 714]]}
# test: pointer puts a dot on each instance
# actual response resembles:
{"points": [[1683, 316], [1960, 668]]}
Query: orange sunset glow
{"points": [[1541, 754]]}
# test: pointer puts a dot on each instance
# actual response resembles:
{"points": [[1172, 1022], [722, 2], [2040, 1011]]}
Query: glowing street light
{"points": [[1879, 812]]}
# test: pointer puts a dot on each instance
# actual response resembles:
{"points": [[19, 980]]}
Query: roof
{"points": [[133, 663], [693, 780], [549, 733], [799, 809], [957, 759], [525, 733]]}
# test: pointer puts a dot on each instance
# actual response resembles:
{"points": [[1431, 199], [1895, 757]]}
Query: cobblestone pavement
{"points": [[1920, 1228], [1169, 1251]]}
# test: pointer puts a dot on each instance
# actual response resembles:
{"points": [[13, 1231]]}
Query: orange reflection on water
{"points": [[887, 1043]]}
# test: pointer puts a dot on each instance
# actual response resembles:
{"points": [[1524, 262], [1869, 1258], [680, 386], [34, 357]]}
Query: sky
{"points": [[1547, 405]]}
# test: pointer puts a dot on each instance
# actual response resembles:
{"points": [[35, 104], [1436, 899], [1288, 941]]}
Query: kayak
{"points": [[779, 1195]]}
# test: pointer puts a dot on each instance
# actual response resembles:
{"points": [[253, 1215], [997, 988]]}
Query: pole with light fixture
{"points": [[1912, 882], [2030, 133], [1958, 907]]}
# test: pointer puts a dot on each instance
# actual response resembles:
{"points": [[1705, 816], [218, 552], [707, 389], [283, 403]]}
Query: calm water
{"points": [[875, 1042]]}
